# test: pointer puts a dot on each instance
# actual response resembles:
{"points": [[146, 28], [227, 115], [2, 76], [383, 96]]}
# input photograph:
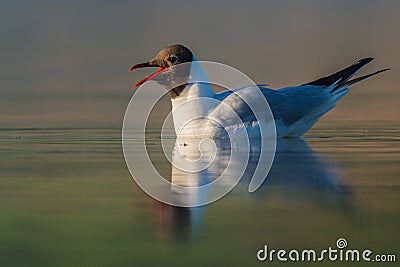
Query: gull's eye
{"points": [[173, 59]]}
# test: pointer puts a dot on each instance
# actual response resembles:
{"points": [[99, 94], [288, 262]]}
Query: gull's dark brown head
{"points": [[166, 58]]}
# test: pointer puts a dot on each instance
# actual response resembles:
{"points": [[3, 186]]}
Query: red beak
{"points": [[146, 65]]}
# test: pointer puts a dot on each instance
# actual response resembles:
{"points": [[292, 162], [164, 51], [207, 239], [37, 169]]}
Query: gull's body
{"points": [[295, 109]]}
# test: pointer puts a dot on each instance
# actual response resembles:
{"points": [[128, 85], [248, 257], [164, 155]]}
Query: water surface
{"points": [[67, 199]]}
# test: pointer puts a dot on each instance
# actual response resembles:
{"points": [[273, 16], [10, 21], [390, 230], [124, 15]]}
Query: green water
{"points": [[67, 199]]}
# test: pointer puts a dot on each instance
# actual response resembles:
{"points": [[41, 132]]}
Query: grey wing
{"points": [[239, 100], [293, 103], [287, 104]]}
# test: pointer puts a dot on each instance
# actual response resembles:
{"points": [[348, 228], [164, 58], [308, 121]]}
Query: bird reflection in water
{"points": [[297, 171]]}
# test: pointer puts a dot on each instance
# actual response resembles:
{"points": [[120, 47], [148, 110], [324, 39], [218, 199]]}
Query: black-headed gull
{"points": [[295, 109]]}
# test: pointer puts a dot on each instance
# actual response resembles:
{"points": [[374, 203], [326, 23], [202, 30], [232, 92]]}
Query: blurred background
{"points": [[65, 63]]}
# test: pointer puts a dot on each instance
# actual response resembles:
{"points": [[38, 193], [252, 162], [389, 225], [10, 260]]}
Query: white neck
{"points": [[192, 102]]}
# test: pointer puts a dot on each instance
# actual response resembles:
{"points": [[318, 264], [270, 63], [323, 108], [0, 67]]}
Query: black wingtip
{"points": [[359, 79], [364, 61], [341, 77]]}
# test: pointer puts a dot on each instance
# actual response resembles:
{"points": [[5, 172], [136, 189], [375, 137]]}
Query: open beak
{"points": [[146, 65]]}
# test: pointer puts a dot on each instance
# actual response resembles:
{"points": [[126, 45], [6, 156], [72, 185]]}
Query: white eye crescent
{"points": [[173, 59]]}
